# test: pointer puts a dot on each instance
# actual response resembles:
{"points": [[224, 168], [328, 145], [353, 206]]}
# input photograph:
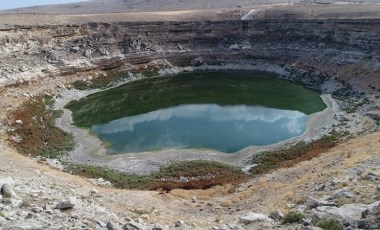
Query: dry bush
{"points": [[343, 200], [299, 199], [38, 134], [226, 203], [288, 195]]}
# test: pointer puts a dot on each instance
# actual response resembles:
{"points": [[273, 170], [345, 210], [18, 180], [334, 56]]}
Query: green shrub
{"points": [[287, 157], [293, 217], [203, 174], [329, 224], [81, 85]]}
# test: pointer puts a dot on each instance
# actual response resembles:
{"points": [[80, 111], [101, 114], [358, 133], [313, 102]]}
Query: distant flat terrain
{"points": [[117, 6], [277, 11]]}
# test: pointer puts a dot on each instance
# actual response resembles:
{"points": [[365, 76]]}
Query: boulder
{"points": [[340, 193], [3, 221], [326, 203], [145, 217], [87, 53], [6, 180], [348, 212], [311, 203], [101, 223], [103, 51], [320, 187], [112, 226], [37, 209], [371, 176], [235, 47], [75, 49], [372, 209], [276, 215], [52, 57], [370, 217], [251, 217], [7, 192], [179, 223], [67, 204], [103, 182], [132, 225]]}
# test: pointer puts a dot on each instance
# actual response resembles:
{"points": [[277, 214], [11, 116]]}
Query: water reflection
{"points": [[224, 128]]}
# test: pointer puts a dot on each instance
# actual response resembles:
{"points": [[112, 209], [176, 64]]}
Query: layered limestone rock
{"points": [[309, 50]]}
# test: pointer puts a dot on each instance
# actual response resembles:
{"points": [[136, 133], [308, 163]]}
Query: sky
{"points": [[11, 4]]}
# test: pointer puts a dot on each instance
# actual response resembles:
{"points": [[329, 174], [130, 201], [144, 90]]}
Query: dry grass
{"points": [[226, 203], [293, 185], [203, 194], [344, 200]]}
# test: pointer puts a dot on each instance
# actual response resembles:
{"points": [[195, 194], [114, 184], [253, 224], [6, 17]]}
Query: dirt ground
{"points": [[264, 12]]}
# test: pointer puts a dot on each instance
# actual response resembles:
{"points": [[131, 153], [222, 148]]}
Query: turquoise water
{"points": [[222, 110], [224, 128]]}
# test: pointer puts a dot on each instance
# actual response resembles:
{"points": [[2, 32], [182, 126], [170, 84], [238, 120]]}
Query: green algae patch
{"points": [[222, 88]]}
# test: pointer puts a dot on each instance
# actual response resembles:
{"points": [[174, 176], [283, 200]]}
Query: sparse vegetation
{"points": [[343, 200], [81, 85], [290, 156], [198, 174], [329, 224], [37, 133], [99, 82], [293, 217], [57, 113], [95, 83]]}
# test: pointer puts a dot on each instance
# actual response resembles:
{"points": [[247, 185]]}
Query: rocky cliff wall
{"points": [[321, 47]]}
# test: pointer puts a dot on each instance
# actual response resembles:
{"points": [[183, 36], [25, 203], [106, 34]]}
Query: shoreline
{"points": [[90, 150]]}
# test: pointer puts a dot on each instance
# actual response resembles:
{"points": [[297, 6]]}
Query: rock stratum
{"points": [[334, 52]]}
